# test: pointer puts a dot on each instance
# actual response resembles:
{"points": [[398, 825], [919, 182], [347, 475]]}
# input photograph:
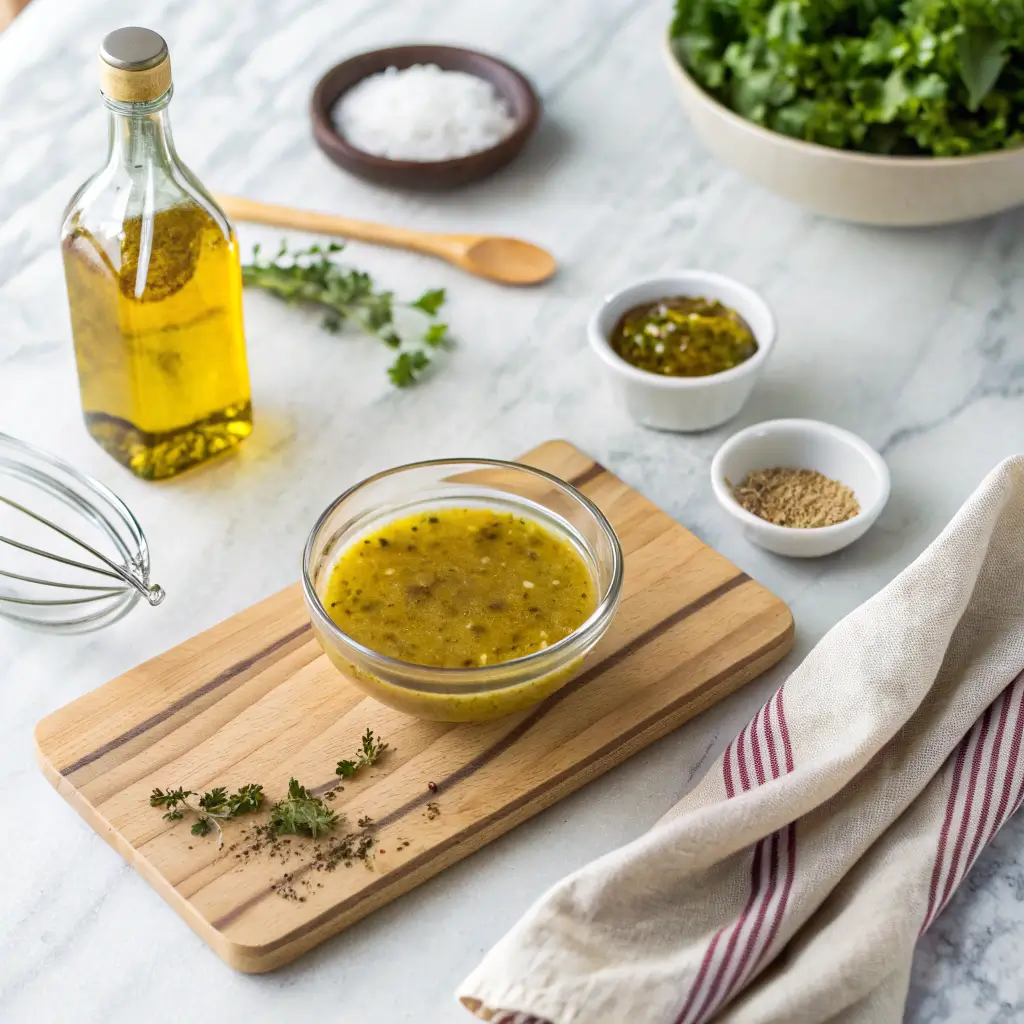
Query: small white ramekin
{"points": [[802, 444], [683, 403]]}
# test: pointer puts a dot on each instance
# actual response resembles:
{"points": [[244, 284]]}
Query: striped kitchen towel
{"points": [[791, 883]]}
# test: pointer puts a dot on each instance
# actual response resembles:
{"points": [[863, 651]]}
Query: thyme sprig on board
{"points": [[302, 814], [299, 813], [314, 277], [372, 749], [213, 807]]}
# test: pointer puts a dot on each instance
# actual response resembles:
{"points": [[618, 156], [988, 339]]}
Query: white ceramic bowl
{"points": [[887, 190], [683, 403], [802, 444]]}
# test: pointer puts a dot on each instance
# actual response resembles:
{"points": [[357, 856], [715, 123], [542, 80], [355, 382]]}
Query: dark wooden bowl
{"points": [[513, 87]]}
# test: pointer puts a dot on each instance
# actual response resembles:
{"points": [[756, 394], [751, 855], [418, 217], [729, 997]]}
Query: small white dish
{"points": [[802, 444], [683, 403]]}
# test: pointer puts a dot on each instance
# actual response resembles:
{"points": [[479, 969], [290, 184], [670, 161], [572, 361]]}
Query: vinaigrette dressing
{"points": [[460, 588]]}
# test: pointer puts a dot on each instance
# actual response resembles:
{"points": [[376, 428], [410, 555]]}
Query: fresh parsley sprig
{"points": [[372, 749], [430, 302], [213, 807], [314, 277], [301, 813]]}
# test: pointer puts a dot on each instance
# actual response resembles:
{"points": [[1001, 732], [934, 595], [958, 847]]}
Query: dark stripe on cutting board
{"points": [[584, 478], [514, 734], [422, 859], [183, 702]]}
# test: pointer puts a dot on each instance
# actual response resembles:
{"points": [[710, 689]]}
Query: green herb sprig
{"points": [[213, 807], [301, 813], [314, 277], [372, 749]]}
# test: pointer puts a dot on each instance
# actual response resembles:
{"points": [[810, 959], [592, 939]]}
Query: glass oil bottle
{"points": [[154, 284]]}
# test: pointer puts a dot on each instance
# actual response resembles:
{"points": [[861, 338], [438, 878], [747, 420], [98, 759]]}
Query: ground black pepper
{"points": [[325, 854]]}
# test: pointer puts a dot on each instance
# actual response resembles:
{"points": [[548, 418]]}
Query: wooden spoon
{"points": [[508, 260]]}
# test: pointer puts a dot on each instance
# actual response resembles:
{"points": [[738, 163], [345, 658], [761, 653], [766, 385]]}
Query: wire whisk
{"points": [[73, 558]]}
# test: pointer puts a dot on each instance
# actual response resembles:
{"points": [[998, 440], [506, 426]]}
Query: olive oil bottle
{"points": [[154, 284]]}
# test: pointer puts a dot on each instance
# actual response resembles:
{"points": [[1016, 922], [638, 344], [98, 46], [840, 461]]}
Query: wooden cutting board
{"points": [[254, 700]]}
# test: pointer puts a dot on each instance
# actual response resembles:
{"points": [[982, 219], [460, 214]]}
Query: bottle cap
{"points": [[134, 66]]}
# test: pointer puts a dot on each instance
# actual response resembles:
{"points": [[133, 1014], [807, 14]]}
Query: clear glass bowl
{"points": [[462, 694]]}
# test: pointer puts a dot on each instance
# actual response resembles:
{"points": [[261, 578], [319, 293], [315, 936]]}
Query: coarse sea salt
{"points": [[423, 113]]}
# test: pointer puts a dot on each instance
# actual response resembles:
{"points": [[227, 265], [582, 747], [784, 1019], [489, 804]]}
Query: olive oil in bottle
{"points": [[154, 284]]}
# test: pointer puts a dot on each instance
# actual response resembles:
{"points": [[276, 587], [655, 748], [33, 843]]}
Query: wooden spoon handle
{"points": [[237, 208]]}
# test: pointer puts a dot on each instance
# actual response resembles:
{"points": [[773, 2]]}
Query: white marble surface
{"points": [[913, 339]]}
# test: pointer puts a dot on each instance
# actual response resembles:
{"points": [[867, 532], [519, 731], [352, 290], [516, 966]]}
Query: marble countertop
{"points": [[913, 339]]}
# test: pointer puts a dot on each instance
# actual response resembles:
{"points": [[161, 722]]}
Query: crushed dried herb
{"points": [[798, 498], [305, 858], [345, 849]]}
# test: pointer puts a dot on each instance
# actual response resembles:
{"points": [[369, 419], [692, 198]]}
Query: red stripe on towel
{"points": [[787, 888], [965, 816], [787, 883], [705, 966], [1018, 798], [784, 729], [762, 911], [990, 782], [773, 874], [699, 980], [755, 880], [762, 893], [1017, 691], [710, 1001], [741, 758], [756, 748], [773, 757], [730, 789], [999, 775], [766, 895], [940, 852]]}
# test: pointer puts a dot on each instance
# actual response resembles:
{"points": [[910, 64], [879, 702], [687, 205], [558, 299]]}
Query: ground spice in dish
{"points": [[799, 498]]}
